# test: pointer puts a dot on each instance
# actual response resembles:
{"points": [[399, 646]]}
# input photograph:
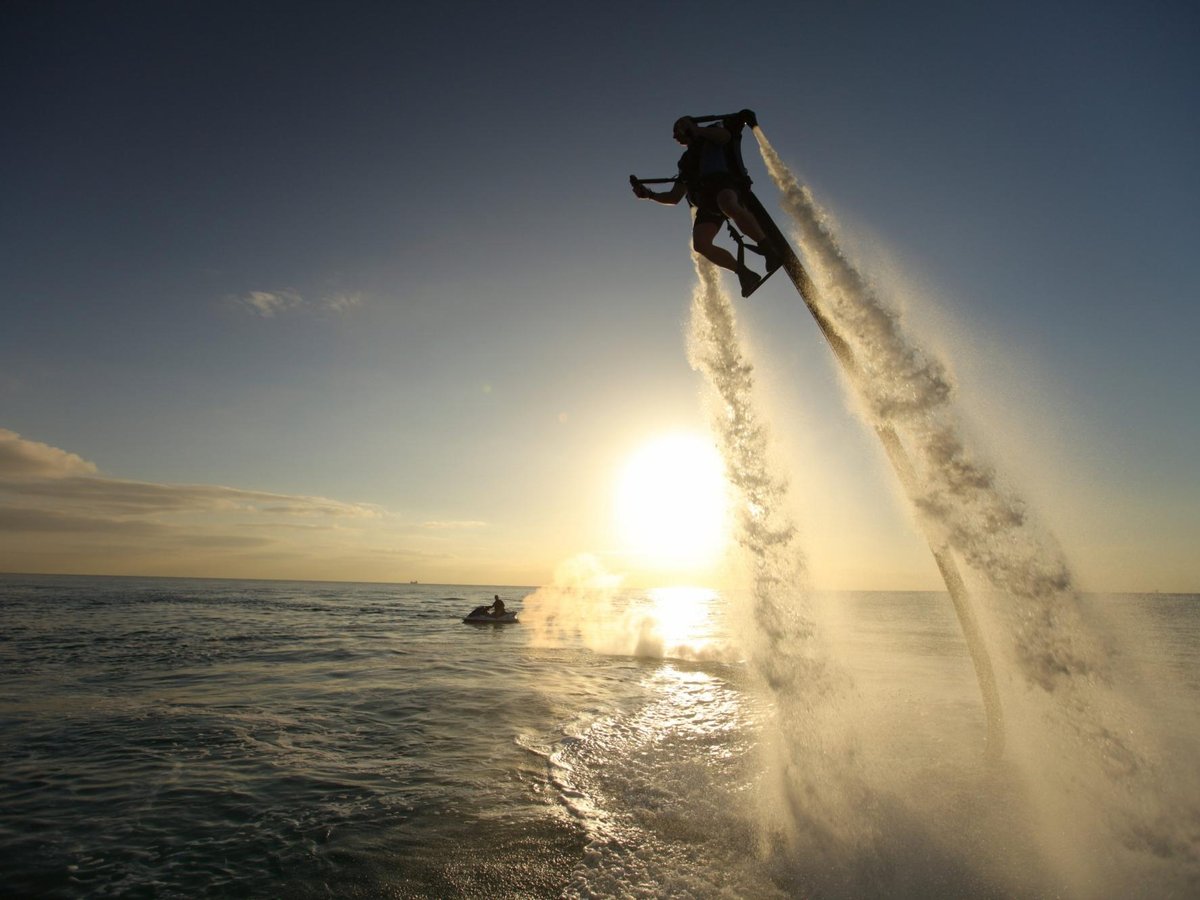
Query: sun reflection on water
{"points": [[702, 703], [686, 619]]}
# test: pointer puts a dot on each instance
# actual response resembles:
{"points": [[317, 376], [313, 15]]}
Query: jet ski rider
{"points": [[497, 606]]}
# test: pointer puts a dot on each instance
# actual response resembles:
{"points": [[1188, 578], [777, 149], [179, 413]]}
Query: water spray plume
{"points": [[1108, 818], [581, 603], [906, 394], [913, 374], [586, 602], [816, 796]]}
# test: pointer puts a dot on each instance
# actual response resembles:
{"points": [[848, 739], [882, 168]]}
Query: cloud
{"points": [[45, 490], [58, 513], [27, 520], [117, 497], [229, 541], [268, 304], [50, 476], [20, 458], [342, 302]]}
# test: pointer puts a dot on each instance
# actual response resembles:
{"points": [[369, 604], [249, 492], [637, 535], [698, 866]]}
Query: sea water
{"points": [[186, 738]]}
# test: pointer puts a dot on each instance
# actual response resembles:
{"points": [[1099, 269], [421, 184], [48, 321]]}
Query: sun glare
{"points": [[672, 503]]}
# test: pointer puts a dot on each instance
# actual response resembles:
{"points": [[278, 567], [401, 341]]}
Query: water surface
{"points": [[181, 738]]}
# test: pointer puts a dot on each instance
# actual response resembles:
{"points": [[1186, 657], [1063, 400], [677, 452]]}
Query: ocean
{"points": [[205, 738]]}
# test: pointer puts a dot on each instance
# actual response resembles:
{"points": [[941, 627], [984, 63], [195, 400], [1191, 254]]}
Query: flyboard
{"points": [[735, 124]]}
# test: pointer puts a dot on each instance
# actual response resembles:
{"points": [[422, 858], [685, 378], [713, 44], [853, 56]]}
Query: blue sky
{"points": [[472, 323]]}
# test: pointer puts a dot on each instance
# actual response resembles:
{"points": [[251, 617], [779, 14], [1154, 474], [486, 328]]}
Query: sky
{"points": [[360, 292]]}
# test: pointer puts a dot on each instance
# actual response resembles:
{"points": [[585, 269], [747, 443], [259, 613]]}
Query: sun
{"points": [[672, 503]]}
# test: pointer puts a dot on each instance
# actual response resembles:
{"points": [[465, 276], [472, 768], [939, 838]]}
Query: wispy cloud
{"points": [[452, 525], [20, 458], [39, 472], [342, 302], [50, 521], [58, 512], [269, 304], [120, 497]]}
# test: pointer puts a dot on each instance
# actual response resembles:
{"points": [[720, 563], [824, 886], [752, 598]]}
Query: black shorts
{"points": [[704, 197]]}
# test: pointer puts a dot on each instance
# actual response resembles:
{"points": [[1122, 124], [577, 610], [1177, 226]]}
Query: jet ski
{"points": [[480, 616]]}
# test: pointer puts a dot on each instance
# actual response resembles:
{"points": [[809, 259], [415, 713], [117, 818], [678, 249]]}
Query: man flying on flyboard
{"points": [[714, 179]]}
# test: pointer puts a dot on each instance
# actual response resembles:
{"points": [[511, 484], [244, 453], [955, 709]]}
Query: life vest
{"points": [[707, 159]]}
